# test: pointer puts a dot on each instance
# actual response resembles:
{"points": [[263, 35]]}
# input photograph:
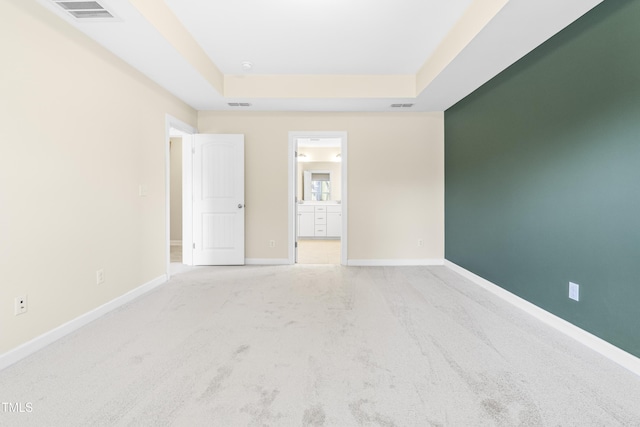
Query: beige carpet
{"points": [[319, 345], [319, 251]]}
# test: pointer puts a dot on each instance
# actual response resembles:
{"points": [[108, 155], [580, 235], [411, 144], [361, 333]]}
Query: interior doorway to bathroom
{"points": [[318, 196]]}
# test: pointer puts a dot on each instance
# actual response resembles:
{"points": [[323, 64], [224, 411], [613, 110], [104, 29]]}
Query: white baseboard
{"points": [[175, 242], [608, 350], [30, 347], [266, 261], [393, 262]]}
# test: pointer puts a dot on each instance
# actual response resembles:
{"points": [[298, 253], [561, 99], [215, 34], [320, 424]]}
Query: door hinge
{"points": [[194, 246], [193, 150], [296, 244]]}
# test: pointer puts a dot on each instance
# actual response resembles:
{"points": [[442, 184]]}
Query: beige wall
{"points": [[395, 179], [176, 188], [81, 131]]}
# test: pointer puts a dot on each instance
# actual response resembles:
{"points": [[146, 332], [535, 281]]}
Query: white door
{"points": [[218, 199]]}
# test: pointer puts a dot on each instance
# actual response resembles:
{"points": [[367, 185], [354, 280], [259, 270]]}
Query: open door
{"points": [[336, 223], [218, 199], [296, 218]]}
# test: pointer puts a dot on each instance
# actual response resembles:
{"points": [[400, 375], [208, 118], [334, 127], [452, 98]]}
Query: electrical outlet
{"points": [[420, 242], [272, 243], [100, 276], [20, 305], [574, 291]]}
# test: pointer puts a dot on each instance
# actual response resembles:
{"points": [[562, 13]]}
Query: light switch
{"points": [[574, 291]]}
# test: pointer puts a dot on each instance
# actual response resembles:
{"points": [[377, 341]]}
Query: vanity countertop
{"points": [[318, 203]]}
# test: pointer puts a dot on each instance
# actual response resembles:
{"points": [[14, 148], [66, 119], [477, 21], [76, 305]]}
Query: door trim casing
{"points": [[187, 238], [293, 137]]}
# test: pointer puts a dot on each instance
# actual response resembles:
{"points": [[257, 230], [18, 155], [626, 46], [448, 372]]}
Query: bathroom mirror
{"points": [[317, 185]]}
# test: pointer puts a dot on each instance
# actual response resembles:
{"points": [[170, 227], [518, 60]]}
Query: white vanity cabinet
{"points": [[334, 221], [306, 221], [319, 220]]}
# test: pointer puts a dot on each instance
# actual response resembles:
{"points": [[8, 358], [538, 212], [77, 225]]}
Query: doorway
{"points": [[177, 146], [175, 196], [318, 197]]}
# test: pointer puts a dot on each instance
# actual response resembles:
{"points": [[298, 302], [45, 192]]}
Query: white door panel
{"points": [[218, 199]]}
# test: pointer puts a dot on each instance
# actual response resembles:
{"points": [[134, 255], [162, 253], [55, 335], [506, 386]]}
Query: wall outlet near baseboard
{"points": [[574, 291], [272, 243], [20, 305], [420, 243]]}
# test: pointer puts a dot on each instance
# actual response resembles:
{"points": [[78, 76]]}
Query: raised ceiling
{"points": [[319, 36], [325, 55]]}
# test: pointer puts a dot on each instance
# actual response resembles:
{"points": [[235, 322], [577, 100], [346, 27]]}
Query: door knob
{"points": [[240, 205]]}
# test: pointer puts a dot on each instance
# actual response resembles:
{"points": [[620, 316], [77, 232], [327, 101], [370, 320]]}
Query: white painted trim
{"points": [[266, 261], [394, 262], [291, 189], [187, 200], [344, 234], [608, 350], [293, 136], [38, 343], [175, 242], [172, 122]]}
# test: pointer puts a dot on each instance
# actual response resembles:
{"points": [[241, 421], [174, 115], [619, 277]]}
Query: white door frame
{"points": [[293, 137], [187, 225]]}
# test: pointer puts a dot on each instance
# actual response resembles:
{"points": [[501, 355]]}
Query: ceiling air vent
{"points": [[85, 9], [401, 105], [239, 104]]}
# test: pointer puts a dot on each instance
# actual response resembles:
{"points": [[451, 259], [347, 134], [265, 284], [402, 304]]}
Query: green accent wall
{"points": [[542, 175]]}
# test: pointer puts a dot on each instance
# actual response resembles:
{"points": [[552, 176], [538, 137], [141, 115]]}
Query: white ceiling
{"points": [[328, 39], [319, 36]]}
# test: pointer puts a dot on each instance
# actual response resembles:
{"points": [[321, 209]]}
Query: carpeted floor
{"points": [[319, 345], [310, 251]]}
